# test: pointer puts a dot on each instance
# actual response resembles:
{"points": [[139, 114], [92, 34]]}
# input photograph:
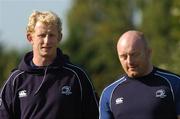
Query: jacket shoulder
{"points": [[167, 73], [76, 69], [13, 76]]}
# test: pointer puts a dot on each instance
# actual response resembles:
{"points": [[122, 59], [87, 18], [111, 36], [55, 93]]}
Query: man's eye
{"points": [[123, 56], [135, 54], [51, 35], [42, 35]]}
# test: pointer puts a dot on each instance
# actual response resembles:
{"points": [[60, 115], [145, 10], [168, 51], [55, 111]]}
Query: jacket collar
{"points": [[58, 62]]}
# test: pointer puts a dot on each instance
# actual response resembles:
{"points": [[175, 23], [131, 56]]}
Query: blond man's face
{"points": [[44, 40]]}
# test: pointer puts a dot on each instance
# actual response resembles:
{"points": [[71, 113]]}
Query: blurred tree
{"points": [[8, 61], [161, 24], [156, 26], [94, 28], [175, 31]]}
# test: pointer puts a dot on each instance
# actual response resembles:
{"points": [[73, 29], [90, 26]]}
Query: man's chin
{"points": [[133, 74], [45, 54]]}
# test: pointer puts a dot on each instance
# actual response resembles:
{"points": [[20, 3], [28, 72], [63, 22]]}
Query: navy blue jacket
{"points": [[58, 91], [155, 96]]}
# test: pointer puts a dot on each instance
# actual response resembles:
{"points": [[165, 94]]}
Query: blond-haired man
{"points": [[46, 85]]}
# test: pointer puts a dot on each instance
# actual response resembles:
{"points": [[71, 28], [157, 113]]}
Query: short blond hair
{"points": [[47, 17]]}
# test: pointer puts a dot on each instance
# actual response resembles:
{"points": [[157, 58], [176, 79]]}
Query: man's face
{"points": [[134, 58], [44, 40]]}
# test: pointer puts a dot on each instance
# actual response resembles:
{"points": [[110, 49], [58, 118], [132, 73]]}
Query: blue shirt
{"points": [[155, 96]]}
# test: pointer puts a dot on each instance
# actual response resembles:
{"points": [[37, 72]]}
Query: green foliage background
{"points": [[95, 26]]}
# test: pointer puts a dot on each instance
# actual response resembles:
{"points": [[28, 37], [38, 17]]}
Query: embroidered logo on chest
{"points": [[66, 90], [22, 93], [161, 93], [119, 100]]}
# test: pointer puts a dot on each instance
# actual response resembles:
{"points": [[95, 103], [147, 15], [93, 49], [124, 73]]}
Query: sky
{"points": [[14, 17]]}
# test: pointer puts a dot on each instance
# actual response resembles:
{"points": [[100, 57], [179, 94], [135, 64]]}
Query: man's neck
{"points": [[42, 61]]}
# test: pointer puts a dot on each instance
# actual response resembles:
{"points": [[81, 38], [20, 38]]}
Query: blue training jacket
{"points": [[155, 96]]}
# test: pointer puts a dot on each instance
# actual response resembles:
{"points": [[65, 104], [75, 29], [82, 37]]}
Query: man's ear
{"points": [[29, 38], [60, 37]]}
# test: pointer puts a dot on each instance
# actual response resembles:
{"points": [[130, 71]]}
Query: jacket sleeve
{"points": [[6, 102], [7, 99], [89, 98], [104, 106]]}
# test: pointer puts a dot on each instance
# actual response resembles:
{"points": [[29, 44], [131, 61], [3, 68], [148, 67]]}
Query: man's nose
{"points": [[130, 59], [47, 39]]}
